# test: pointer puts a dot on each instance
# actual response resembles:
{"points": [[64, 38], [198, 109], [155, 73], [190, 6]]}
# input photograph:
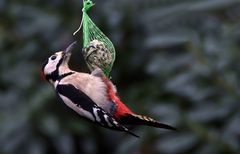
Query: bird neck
{"points": [[61, 72], [63, 69]]}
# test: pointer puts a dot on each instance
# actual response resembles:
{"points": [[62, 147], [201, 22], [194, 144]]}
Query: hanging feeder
{"points": [[98, 50]]}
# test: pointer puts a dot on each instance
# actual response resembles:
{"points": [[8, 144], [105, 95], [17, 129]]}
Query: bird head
{"points": [[57, 64]]}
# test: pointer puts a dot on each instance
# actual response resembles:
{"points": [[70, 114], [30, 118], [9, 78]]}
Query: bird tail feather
{"points": [[135, 119]]}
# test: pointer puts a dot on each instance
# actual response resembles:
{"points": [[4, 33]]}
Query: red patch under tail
{"points": [[121, 108]]}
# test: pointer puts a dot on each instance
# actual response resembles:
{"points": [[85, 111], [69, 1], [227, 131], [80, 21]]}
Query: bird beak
{"points": [[69, 49]]}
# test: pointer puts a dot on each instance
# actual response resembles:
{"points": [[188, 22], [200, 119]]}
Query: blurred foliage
{"points": [[177, 60]]}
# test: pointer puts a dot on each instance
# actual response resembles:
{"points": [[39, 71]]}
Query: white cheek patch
{"points": [[51, 65]]}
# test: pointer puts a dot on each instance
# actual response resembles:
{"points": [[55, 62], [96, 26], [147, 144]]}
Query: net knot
{"points": [[87, 4]]}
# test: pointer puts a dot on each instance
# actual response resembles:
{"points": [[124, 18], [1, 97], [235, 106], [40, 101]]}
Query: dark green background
{"points": [[177, 60]]}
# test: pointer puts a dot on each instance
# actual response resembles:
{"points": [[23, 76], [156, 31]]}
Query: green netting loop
{"points": [[98, 50]]}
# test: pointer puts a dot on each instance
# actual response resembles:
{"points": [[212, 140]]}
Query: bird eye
{"points": [[53, 57]]}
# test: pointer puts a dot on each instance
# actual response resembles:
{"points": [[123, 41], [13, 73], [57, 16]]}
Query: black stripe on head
{"points": [[55, 74]]}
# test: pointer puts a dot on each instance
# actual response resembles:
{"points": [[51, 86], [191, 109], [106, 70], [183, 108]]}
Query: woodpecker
{"points": [[93, 96]]}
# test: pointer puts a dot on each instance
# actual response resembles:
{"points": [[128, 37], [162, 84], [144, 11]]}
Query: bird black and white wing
{"points": [[84, 106]]}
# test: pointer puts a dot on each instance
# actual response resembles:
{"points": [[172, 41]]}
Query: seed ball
{"points": [[97, 55]]}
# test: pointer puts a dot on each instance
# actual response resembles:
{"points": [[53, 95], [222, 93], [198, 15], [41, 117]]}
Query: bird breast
{"points": [[92, 86]]}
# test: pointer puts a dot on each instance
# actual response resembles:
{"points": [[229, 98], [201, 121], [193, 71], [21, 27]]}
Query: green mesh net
{"points": [[98, 50]]}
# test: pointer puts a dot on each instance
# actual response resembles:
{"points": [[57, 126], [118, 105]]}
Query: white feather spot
{"points": [[107, 120], [96, 114]]}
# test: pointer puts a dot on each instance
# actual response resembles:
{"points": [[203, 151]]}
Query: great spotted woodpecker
{"points": [[92, 96]]}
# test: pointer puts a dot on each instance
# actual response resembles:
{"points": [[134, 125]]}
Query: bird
{"points": [[92, 95]]}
